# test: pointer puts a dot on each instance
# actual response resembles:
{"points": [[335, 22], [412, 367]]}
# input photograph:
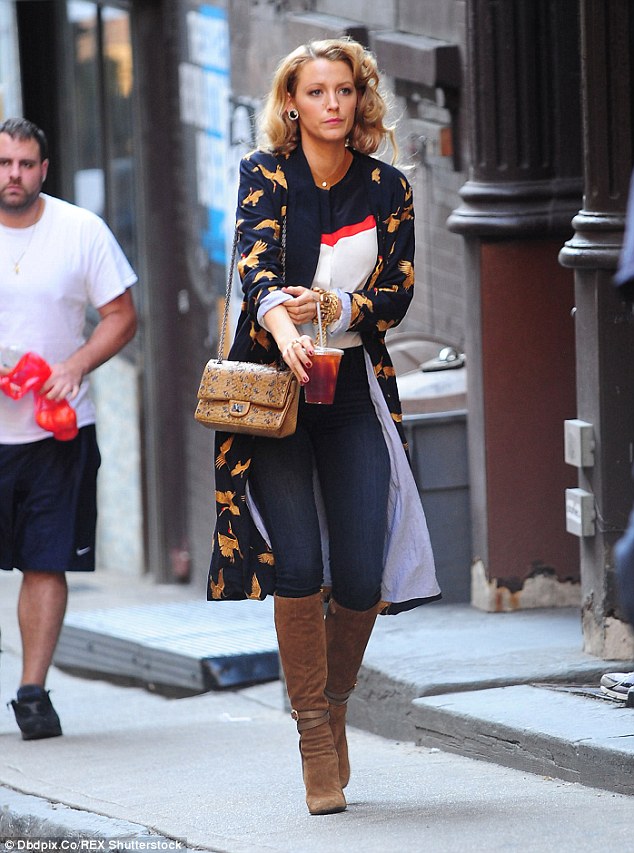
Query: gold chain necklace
{"points": [[334, 177], [16, 261]]}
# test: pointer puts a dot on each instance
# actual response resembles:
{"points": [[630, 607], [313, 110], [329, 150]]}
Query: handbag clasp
{"points": [[239, 408]]}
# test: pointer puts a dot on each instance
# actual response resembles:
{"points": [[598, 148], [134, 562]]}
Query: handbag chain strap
{"points": [[232, 263], [225, 316]]}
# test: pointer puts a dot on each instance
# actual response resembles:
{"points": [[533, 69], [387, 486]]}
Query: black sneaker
{"points": [[34, 713], [617, 684]]}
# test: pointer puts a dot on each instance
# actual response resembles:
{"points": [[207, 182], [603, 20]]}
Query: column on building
{"points": [[604, 324], [524, 187]]}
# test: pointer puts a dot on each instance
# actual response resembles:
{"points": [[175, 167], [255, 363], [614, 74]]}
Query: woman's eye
{"points": [[345, 90], [315, 92]]}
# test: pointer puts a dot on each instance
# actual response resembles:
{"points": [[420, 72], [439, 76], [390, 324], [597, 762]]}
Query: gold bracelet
{"points": [[332, 300], [328, 305]]}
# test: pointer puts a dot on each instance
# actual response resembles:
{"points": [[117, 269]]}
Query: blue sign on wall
{"points": [[204, 98]]}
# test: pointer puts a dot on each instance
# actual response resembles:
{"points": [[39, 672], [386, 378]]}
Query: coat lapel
{"points": [[303, 229]]}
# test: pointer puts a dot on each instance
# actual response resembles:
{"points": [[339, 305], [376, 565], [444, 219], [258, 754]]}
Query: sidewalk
{"points": [[221, 769], [513, 688]]}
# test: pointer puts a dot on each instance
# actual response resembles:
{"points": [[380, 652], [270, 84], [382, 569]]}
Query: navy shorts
{"points": [[48, 504]]}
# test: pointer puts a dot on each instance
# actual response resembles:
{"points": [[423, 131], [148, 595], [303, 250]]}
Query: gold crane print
{"points": [[221, 459], [276, 177], [240, 468], [217, 588], [253, 197], [229, 544], [407, 268], [273, 224], [225, 499], [252, 260]]}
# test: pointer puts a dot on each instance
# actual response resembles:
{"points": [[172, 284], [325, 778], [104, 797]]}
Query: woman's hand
{"points": [[302, 308], [297, 353], [296, 349]]}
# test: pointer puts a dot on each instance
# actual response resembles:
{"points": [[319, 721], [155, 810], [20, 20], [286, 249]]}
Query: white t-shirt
{"points": [[67, 260]]}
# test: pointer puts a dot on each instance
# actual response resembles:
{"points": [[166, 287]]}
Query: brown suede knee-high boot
{"points": [[301, 637], [347, 635]]}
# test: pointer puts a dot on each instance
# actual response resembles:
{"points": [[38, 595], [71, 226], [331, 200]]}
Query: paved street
{"points": [[221, 770]]}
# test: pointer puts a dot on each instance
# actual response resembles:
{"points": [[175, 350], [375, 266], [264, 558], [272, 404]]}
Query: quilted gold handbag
{"points": [[239, 396]]}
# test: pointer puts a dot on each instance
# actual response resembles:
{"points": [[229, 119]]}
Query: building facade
{"points": [[149, 105]]}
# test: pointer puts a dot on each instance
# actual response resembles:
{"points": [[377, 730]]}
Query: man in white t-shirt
{"points": [[55, 260]]}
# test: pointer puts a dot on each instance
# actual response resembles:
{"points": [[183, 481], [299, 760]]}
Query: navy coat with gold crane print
{"points": [[274, 188]]}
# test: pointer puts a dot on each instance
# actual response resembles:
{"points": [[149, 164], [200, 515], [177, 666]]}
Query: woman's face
{"points": [[325, 99]]}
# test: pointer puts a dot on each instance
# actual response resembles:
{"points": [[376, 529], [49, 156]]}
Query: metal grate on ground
{"points": [[191, 647]]}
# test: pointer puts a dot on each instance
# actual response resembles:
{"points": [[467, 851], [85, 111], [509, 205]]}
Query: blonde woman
{"points": [[330, 513]]}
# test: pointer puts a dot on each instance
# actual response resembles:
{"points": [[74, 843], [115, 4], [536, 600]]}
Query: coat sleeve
{"points": [[624, 558], [261, 208], [624, 278], [386, 298]]}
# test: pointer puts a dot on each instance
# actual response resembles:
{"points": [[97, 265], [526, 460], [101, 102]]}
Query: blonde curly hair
{"points": [[279, 134]]}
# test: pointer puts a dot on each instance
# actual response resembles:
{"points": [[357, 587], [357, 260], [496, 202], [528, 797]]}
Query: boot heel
{"points": [[320, 763], [337, 707]]}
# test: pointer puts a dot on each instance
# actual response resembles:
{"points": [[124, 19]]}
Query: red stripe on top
{"points": [[348, 231]]}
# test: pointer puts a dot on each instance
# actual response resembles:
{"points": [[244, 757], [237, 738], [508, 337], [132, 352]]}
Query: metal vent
{"points": [[189, 646]]}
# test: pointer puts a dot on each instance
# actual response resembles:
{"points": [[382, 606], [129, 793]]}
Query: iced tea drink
{"points": [[323, 375]]}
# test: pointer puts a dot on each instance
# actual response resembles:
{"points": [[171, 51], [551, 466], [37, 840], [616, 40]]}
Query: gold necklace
{"points": [[334, 177], [16, 262]]}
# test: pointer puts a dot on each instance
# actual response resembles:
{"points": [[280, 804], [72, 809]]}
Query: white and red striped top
{"points": [[347, 254]]}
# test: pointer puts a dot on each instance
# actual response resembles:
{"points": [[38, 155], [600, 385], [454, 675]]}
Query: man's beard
{"points": [[20, 206]]}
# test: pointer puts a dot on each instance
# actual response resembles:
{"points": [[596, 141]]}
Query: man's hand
{"points": [[63, 383]]}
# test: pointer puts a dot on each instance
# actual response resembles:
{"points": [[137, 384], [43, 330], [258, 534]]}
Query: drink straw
{"points": [[322, 342]]}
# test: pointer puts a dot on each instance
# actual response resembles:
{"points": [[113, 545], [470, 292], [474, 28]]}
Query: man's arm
{"points": [[116, 328]]}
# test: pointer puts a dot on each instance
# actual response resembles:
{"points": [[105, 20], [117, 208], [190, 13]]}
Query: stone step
{"points": [[567, 733]]}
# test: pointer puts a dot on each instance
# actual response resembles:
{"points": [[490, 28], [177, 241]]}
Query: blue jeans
{"points": [[344, 443]]}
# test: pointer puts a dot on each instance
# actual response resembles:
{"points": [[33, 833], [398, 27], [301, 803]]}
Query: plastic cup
{"points": [[10, 355], [323, 375]]}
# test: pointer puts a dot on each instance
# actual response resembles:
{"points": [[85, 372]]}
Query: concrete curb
{"points": [[383, 703], [536, 729], [24, 816]]}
